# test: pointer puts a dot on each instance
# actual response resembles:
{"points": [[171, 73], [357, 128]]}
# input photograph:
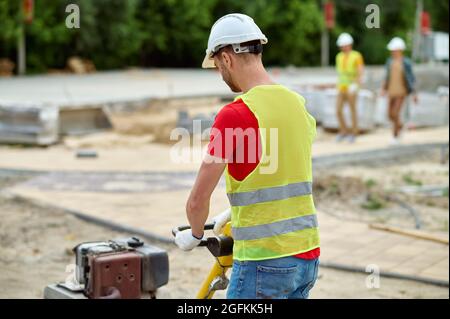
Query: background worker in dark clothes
{"points": [[273, 218], [399, 83]]}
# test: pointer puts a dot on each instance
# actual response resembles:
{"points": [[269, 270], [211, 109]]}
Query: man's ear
{"points": [[227, 59]]}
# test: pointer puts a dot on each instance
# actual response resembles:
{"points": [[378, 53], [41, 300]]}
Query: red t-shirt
{"points": [[232, 116]]}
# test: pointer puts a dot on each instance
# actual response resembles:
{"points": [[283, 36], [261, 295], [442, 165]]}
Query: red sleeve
{"points": [[231, 139], [226, 118]]}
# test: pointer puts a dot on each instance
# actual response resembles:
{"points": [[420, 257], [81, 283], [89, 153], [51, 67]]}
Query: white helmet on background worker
{"points": [[344, 39], [232, 29], [396, 44]]}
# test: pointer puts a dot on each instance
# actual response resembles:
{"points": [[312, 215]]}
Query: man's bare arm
{"points": [[197, 206], [360, 74]]}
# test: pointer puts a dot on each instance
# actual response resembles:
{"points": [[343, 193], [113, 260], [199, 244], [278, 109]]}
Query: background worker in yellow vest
{"points": [[272, 214], [350, 67]]}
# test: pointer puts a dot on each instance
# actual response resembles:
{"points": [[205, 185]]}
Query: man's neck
{"points": [[254, 76]]}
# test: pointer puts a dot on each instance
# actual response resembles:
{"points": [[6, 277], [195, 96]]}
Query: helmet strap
{"points": [[256, 48]]}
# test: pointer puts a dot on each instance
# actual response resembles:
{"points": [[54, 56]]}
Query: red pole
{"points": [[28, 11], [329, 15], [425, 23]]}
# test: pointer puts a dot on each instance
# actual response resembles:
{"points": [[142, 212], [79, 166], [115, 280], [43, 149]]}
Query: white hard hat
{"points": [[396, 44], [232, 29], [344, 39]]}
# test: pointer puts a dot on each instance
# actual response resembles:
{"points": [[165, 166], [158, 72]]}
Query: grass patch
{"points": [[408, 179], [334, 188], [373, 203], [370, 183], [445, 225]]}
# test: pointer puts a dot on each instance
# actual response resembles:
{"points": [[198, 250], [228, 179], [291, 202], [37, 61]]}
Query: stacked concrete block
{"points": [[382, 111], [315, 100], [196, 124], [28, 123], [431, 110], [366, 108]]}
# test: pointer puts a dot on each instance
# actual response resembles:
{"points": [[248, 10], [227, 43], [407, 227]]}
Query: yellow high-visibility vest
{"points": [[347, 68], [273, 215]]}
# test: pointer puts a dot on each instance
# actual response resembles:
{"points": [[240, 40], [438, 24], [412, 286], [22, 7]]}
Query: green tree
{"points": [[48, 39], [174, 33], [109, 33], [439, 14], [396, 19], [293, 29], [9, 21]]}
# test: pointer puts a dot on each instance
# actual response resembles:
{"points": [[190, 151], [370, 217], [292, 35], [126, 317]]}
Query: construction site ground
{"points": [[134, 184], [138, 153], [38, 252]]}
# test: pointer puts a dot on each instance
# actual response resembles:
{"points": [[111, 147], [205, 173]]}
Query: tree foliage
{"points": [[173, 33]]}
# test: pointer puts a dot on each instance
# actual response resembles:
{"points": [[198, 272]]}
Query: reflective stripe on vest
{"points": [[276, 228], [270, 194]]}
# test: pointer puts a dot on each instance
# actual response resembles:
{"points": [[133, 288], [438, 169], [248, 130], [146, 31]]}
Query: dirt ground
{"points": [[376, 193], [159, 118], [36, 243]]}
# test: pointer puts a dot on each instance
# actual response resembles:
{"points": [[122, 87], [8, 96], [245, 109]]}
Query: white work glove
{"points": [[353, 88], [186, 241], [221, 220]]}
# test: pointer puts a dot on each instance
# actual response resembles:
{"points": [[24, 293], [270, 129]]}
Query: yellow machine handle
{"points": [[218, 270]]}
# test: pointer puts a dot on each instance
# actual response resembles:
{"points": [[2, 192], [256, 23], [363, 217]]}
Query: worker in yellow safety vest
{"points": [[349, 66], [273, 218]]}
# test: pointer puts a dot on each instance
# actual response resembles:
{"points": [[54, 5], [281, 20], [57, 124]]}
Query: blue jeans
{"points": [[281, 278]]}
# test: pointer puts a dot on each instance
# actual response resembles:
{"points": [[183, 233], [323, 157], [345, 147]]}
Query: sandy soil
{"points": [[36, 242], [120, 152], [159, 118], [372, 193]]}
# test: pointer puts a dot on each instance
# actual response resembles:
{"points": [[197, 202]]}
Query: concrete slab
{"points": [[138, 84], [30, 123]]}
